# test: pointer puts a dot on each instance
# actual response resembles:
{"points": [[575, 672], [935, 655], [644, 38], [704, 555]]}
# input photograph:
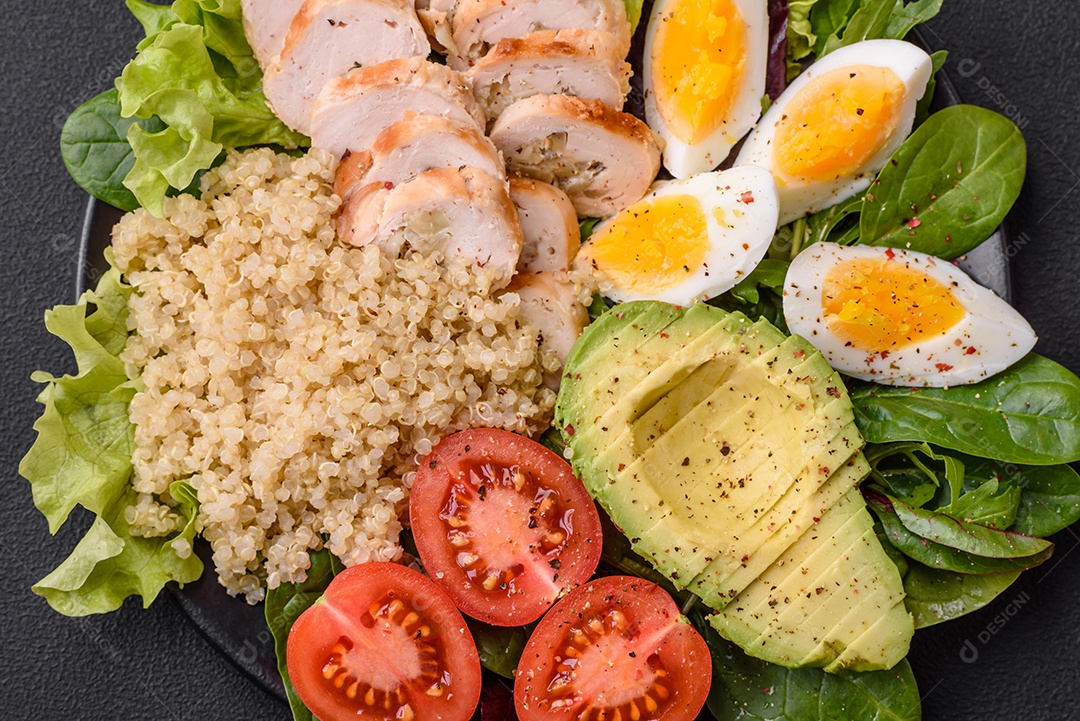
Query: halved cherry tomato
{"points": [[384, 643], [616, 648], [503, 525]]}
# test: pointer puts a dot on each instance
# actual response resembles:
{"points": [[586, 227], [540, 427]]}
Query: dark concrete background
{"points": [[1017, 659]]}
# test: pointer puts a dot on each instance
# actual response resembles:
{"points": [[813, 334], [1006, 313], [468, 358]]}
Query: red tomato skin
{"points": [[340, 609], [448, 464], [648, 607]]}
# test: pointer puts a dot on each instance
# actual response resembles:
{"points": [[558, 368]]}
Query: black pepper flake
{"points": [[433, 465], [556, 564], [482, 492], [686, 461]]}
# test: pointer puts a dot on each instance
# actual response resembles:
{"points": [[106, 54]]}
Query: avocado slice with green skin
{"points": [[726, 451]]}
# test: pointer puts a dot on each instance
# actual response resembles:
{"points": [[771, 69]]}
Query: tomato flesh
{"points": [[384, 643], [503, 525], [616, 648]]}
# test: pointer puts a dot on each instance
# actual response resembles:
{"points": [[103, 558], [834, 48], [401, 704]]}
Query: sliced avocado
{"points": [[727, 453], [813, 612]]}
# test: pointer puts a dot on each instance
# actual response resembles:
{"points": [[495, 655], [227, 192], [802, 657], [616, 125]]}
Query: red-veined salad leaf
{"points": [[776, 68]]}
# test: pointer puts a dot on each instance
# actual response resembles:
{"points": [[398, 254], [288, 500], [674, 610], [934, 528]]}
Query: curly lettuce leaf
{"points": [[800, 34], [109, 564], [196, 73], [82, 455]]}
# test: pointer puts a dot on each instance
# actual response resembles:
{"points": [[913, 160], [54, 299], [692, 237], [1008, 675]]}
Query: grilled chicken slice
{"points": [[583, 63], [603, 159], [328, 38], [461, 213], [553, 308], [353, 110], [266, 23], [478, 25], [435, 16], [549, 226], [411, 146]]}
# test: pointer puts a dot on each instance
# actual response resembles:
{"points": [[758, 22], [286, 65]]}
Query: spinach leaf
{"points": [[830, 17], [284, 605], [990, 505], [937, 555], [935, 596], [769, 274], [949, 186], [871, 20], [747, 689], [965, 536], [96, 151], [922, 107], [1049, 495], [907, 16], [1029, 414], [499, 647], [834, 224], [588, 225], [598, 307]]}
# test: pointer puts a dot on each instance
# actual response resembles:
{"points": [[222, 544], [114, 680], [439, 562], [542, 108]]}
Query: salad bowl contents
{"points": [[422, 353]]}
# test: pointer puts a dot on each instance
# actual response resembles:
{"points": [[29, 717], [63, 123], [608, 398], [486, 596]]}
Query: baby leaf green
{"points": [[949, 186], [747, 689], [935, 596], [967, 536], [1029, 414]]}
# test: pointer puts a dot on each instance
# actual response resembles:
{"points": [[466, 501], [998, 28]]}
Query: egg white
{"points": [[987, 340], [684, 159], [798, 197], [740, 209]]}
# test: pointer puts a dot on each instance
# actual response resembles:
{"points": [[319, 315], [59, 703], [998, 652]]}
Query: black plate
{"points": [[239, 630]]}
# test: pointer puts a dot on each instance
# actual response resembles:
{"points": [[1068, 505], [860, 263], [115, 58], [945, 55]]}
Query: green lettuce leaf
{"points": [[633, 12], [109, 564], [196, 73], [800, 34], [82, 455]]}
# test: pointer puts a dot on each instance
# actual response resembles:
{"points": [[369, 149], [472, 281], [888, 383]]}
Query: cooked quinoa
{"points": [[295, 380]]}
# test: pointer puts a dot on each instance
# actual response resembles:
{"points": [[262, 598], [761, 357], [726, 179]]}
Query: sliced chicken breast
{"points": [[353, 110], [435, 16], [583, 63], [603, 159], [553, 308], [411, 146], [478, 25], [328, 38], [461, 213], [266, 23], [549, 226]]}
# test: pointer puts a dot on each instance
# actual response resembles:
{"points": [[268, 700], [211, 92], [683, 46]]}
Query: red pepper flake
{"points": [[664, 335], [914, 223], [569, 429], [971, 350], [943, 367], [388, 185], [747, 197], [799, 353], [889, 253], [832, 391], [622, 467]]}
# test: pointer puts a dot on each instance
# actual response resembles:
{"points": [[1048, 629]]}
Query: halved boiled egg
{"points": [[899, 317], [687, 240], [704, 78], [837, 125]]}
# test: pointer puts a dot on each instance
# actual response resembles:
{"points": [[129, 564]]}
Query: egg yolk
{"points": [[879, 305], [699, 62], [652, 245], [838, 122]]}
